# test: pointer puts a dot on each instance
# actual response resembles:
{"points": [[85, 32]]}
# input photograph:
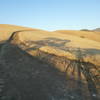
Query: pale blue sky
{"points": [[51, 14]]}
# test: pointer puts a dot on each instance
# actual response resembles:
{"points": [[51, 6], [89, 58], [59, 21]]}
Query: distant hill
{"points": [[97, 30]]}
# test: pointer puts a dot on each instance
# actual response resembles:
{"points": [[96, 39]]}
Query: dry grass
{"points": [[74, 55], [82, 34], [6, 30], [62, 44], [56, 43]]}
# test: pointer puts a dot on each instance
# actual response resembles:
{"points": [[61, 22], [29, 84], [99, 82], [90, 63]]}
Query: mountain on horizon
{"points": [[96, 29]]}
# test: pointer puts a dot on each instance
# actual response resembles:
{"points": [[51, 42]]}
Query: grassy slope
{"points": [[57, 43], [62, 45], [6, 30], [26, 78], [92, 35]]}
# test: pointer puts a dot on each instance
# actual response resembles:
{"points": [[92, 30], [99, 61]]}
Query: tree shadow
{"points": [[86, 51], [77, 66], [57, 43], [62, 45], [51, 41], [29, 78], [83, 68]]}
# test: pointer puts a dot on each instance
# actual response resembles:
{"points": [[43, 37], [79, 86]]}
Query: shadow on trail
{"points": [[29, 78], [80, 67], [62, 45]]}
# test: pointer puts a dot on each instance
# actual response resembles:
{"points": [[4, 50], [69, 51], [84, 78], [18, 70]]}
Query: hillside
{"points": [[50, 58], [91, 35], [6, 30]]}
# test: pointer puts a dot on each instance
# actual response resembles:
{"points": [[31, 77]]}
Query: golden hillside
{"points": [[32, 53], [69, 44], [92, 35], [6, 30]]}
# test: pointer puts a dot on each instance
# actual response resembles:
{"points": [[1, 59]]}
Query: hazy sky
{"points": [[51, 14]]}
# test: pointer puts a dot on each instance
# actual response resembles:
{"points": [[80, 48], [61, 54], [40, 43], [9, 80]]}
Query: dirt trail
{"points": [[25, 77]]}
